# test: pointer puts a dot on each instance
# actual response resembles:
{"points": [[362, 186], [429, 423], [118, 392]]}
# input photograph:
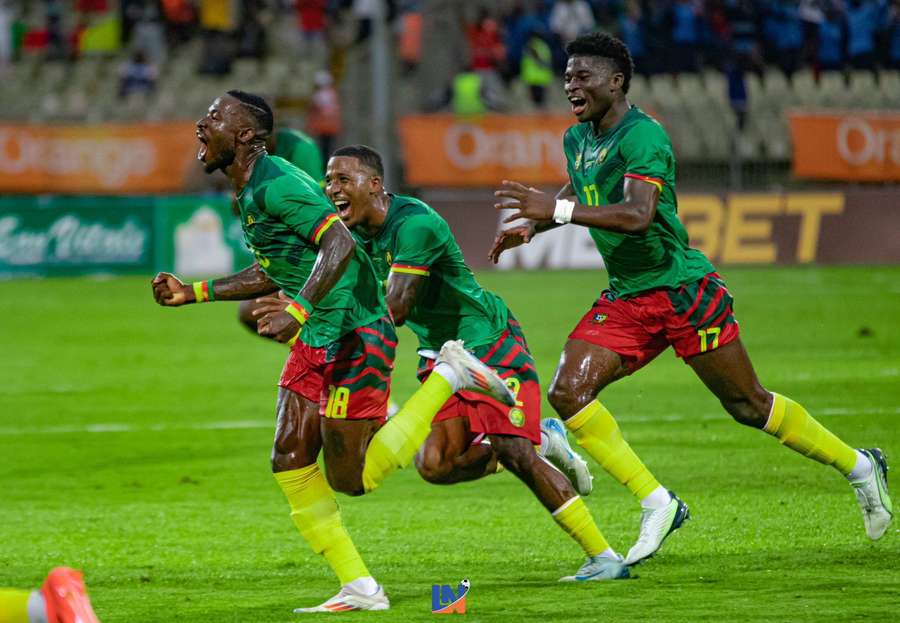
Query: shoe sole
{"points": [[581, 464], [682, 514]]}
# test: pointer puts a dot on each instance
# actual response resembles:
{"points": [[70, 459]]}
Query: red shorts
{"points": [[510, 358], [693, 319], [349, 378]]}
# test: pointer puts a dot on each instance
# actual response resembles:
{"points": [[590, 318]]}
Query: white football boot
{"points": [[599, 568], [656, 525], [349, 599], [872, 495], [556, 449], [474, 375]]}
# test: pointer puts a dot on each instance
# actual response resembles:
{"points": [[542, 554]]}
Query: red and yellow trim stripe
{"points": [[323, 227], [410, 270], [203, 291], [650, 180], [299, 311]]}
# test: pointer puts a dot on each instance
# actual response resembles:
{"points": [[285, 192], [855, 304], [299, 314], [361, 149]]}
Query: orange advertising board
{"points": [[447, 150], [853, 146], [105, 159]]}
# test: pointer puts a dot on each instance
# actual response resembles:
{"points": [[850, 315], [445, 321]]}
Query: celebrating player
{"points": [[342, 340], [433, 292], [661, 292]]}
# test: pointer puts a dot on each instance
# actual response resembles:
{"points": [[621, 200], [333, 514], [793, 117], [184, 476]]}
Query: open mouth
{"points": [[579, 105], [201, 152], [343, 208]]}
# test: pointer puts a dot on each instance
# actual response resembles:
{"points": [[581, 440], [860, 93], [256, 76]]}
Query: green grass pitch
{"points": [[134, 443]]}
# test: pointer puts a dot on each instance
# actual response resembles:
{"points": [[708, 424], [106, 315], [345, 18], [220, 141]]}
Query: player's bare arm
{"points": [[631, 216], [401, 295], [524, 232], [335, 251], [170, 291]]}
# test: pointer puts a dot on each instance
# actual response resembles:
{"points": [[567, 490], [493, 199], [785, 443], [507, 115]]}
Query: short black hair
{"points": [[606, 46], [258, 108], [365, 155]]}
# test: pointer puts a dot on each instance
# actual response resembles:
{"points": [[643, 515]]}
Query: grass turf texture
{"points": [[135, 441]]}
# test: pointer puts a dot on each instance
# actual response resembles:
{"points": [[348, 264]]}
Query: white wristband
{"points": [[563, 211]]}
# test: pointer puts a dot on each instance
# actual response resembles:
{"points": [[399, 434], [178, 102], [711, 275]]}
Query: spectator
{"points": [[311, 23], [831, 43], [137, 76], [685, 36], [893, 36], [6, 31], [737, 91], [631, 32], [410, 44], [788, 31], [537, 69], [251, 35], [571, 18], [149, 36], [486, 51], [180, 19], [217, 20], [365, 12], [519, 26], [862, 22], [323, 119]]}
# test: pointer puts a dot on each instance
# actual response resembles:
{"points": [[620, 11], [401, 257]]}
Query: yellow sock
{"points": [[797, 429], [397, 442], [575, 518], [14, 605], [316, 514], [597, 432]]}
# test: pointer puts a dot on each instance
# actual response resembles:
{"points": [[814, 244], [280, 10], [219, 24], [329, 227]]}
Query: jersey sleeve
{"points": [[420, 242], [648, 154], [305, 210]]}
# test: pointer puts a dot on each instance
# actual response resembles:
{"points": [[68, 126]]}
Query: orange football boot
{"points": [[65, 597]]}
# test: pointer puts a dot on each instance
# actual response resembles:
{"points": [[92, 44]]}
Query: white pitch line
{"points": [[117, 427]]}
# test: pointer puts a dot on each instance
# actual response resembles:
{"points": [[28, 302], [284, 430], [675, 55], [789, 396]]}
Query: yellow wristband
{"points": [[198, 292], [298, 312]]}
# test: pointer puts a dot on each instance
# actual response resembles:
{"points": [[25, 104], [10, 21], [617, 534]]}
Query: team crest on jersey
{"points": [[250, 219], [517, 417], [577, 160], [602, 155], [388, 257], [599, 318]]}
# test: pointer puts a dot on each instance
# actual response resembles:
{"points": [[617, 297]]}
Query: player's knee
{"points": [[432, 466], [563, 397], [347, 484], [245, 315], [750, 409]]}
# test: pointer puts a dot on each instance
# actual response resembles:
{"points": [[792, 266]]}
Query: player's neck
{"points": [[240, 170], [612, 117], [378, 214]]}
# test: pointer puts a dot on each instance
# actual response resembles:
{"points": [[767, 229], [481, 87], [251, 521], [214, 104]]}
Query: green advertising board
{"points": [[65, 236], [192, 236]]}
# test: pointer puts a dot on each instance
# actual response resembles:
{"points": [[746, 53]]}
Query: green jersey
{"points": [[636, 147], [451, 304], [284, 214], [301, 151]]}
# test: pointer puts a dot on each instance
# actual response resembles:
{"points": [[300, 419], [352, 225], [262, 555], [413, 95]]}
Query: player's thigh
{"points": [[297, 435], [584, 369], [344, 444], [728, 373]]}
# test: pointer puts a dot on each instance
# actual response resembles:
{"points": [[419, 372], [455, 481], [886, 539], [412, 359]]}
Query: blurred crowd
{"points": [[526, 40]]}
